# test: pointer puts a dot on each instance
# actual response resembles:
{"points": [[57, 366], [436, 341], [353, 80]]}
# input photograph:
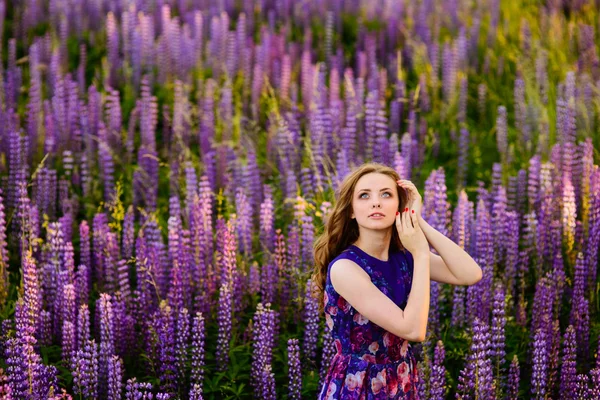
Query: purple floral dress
{"points": [[370, 363]]}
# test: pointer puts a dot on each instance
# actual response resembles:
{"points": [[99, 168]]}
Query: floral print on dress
{"points": [[370, 362]]}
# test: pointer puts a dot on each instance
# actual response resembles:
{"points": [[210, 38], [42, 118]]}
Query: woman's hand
{"points": [[415, 202], [410, 233]]}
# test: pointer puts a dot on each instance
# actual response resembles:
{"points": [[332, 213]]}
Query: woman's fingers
{"points": [[407, 223]]}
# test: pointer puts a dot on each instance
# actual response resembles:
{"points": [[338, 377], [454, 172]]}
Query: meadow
{"points": [[166, 165]]}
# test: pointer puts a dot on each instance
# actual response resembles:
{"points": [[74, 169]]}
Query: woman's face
{"points": [[375, 201]]}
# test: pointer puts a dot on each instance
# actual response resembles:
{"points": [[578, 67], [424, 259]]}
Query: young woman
{"points": [[372, 273]]}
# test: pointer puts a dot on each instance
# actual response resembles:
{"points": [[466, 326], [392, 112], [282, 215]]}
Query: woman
{"points": [[372, 273]]}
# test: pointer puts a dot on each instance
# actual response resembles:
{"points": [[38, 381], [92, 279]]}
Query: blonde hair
{"points": [[341, 230]]}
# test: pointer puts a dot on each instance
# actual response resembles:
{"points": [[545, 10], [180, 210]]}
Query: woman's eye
{"points": [[388, 193], [361, 196]]}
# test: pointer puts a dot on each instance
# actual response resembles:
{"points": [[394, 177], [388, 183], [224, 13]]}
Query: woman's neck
{"points": [[376, 244]]}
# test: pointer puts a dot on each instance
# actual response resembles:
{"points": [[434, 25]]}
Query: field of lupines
{"points": [[166, 165]]}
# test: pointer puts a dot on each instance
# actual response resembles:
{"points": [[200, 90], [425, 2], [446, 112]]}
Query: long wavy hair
{"points": [[341, 230]]}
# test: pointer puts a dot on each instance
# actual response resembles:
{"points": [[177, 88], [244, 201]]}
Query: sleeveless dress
{"points": [[370, 362]]}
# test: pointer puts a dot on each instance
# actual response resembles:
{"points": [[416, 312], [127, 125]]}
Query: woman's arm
{"points": [[453, 265], [352, 283]]}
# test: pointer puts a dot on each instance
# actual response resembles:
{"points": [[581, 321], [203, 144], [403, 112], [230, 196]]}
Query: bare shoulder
{"points": [[344, 269]]}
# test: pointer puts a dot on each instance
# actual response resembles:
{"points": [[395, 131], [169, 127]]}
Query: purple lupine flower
{"points": [[478, 368], [311, 322], [3, 254], [165, 340], [224, 321], [381, 149], [283, 271], [307, 240], [32, 295], [197, 353], [512, 392], [498, 337], [104, 311], [294, 370], [85, 372], [263, 340], [268, 280], [135, 390], [458, 306], [580, 314], [244, 226], [449, 72], [196, 392], [511, 246], [582, 389], [554, 345], [83, 326], [438, 379], [463, 154], [181, 345], [68, 341], [267, 220], [568, 214], [329, 351], [115, 377], [568, 368], [128, 234], [540, 365], [123, 280]]}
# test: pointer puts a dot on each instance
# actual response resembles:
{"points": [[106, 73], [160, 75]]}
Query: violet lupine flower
{"points": [[181, 344], [28, 376], [512, 392], [311, 323], [196, 392], [85, 371], [307, 184], [540, 365], [224, 321], [107, 345], [511, 246], [329, 351], [244, 224], [381, 149], [458, 306], [476, 378], [128, 234], [307, 240], [267, 220], [582, 388], [463, 157], [165, 338], [553, 364], [4, 256], [197, 353], [135, 390], [68, 342], [498, 337], [83, 326], [268, 279], [580, 314], [123, 280], [252, 180], [263, 339], [32, 296], [115, 377], [267, 380], [294, 370], [568, 368], [438, 378], [449, 72]]}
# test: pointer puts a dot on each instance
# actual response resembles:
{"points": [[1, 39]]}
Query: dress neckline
{"points": [[371, 257]]}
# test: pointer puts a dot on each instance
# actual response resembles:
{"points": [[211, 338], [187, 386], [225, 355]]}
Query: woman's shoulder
{"points": [[347, 254]]}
